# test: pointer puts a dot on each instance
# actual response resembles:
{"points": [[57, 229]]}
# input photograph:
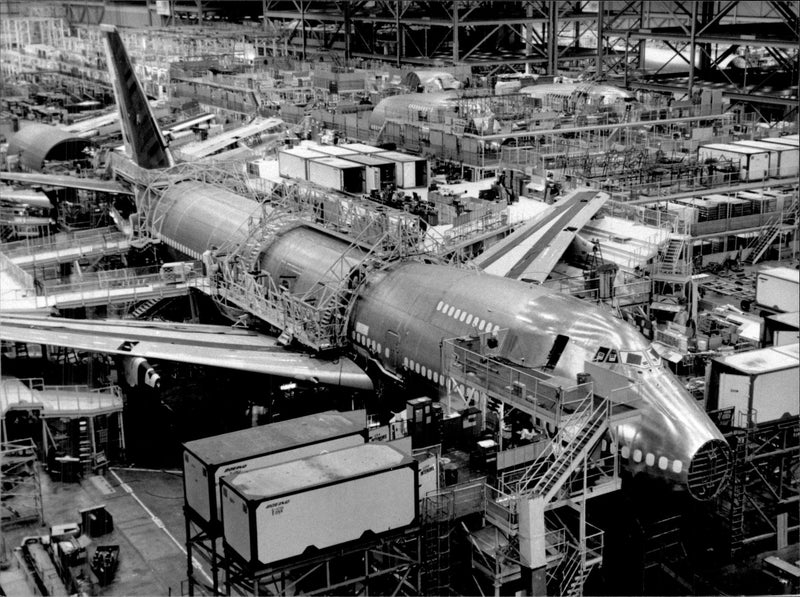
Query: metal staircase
{"points": [[570, 576], [144, 307], [577, 436], [673, 259], [759, 245]]}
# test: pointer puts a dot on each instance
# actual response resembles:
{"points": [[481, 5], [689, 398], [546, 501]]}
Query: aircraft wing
{"points": [[217, 346], [532, 251], [69, 182]]}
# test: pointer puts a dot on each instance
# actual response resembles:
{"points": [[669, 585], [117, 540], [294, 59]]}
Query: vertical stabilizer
{"points": [[143, 139]]}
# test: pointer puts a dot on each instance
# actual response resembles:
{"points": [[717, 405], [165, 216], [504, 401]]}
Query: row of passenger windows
{"points": [[650, 459], [369, 343], [468, 318], [185, 250], [407, 363], [423, 371]]}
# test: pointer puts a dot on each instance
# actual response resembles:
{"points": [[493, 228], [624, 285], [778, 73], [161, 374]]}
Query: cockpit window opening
{"points": [[634, 358], [655, 358], [612, 357]]}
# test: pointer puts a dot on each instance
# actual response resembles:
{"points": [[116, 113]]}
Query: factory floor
{"points": [[148, 527]]}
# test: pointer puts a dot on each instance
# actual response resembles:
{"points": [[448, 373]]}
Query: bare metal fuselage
{"points": [[404, 313]]}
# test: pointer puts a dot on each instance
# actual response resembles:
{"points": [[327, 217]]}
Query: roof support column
{"points": [[601, 5], [455, 33], [692, 49], [303, 25], [399, 33], [552, 38]]}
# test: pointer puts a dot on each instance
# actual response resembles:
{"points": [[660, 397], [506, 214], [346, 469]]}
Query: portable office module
{"points": [[753, 163], [337, 173], [778, 288], [411, 171], [276, 513], [293, 163], [335, 151], [206, 461], [784, 160], [362, 148], [761, 385], [379, 172]]}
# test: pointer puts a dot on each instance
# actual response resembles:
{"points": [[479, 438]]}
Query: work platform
{"points": [[99, 292], [66, 247], [536, 515]]}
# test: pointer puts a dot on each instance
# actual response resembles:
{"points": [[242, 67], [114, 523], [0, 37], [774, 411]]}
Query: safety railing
{"points": [[595, 541], [501, 509], [82, 398], [64, 249], [467, 363], [544, 475], [22, 278], [55, 240], [467, 498], [110, 291], [33, 392]]}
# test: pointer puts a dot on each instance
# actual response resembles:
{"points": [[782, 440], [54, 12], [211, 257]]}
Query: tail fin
{"points": [[143, 139]]}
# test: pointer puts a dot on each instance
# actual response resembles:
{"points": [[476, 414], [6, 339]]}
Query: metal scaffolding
{"points": [[747, 50], [760, 503]]}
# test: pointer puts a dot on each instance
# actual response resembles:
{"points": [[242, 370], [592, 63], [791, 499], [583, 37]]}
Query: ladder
{"points": [[85, 445], [437, 524], [737, 494]]}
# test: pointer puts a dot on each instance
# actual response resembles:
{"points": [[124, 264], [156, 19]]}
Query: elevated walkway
{"points": [[102, 288], [57, 401], [66, 247]]}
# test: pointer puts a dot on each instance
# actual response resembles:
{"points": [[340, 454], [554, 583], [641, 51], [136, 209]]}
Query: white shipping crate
{"points": [[206, 461], [761, 384], [783, 159], [273, 514], [753, 163], [292, 163], [779, 288]]}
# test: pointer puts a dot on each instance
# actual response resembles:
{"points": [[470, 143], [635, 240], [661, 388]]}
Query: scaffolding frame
{"points": [[22, 488], [761, 489], [390, 565]]}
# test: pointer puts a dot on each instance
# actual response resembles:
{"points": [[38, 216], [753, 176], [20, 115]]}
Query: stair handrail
{"points": [[769, 229], [590, 426], [561, 445]]}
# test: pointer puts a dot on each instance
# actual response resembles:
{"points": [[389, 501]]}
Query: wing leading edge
{"points": [[216, 346]]}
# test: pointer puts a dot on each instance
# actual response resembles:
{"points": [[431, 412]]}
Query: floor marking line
{"points": [[158, 522]]}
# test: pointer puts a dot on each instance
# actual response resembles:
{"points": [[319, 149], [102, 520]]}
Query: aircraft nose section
{"points": [[709, 470]]}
